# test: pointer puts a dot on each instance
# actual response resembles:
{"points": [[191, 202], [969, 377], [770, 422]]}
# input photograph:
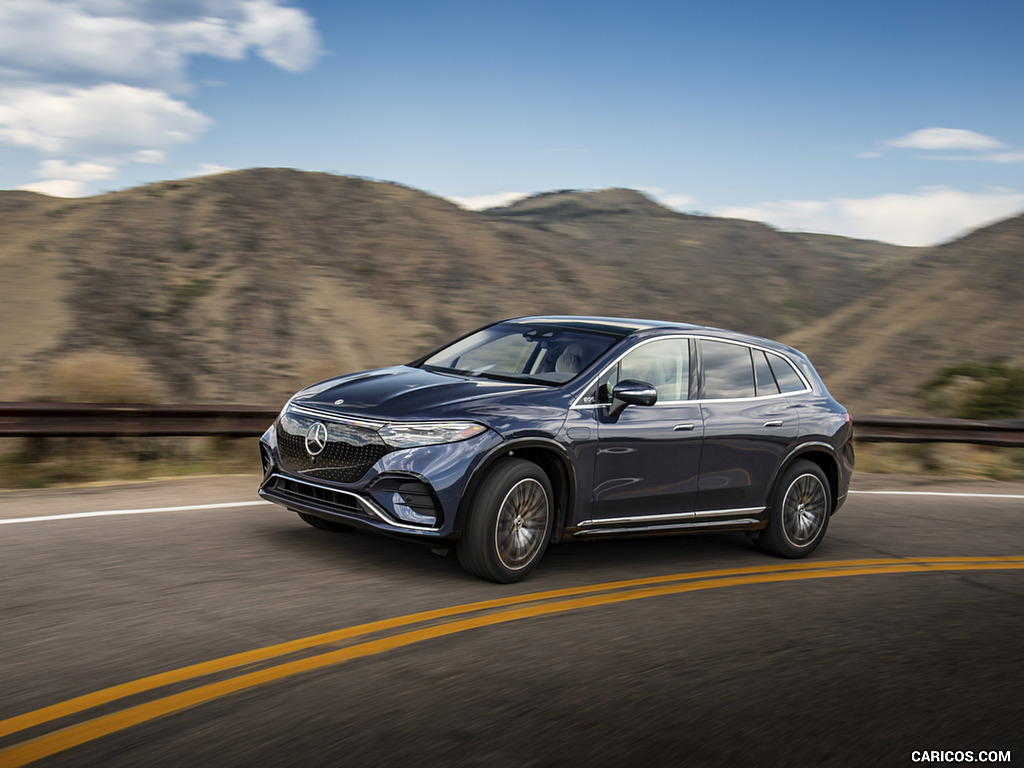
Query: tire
{"points": [[801, 507], [509, 523], [323, 525]]}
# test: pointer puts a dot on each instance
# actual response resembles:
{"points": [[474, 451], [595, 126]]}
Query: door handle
{"points": [[774, 423], [683, 427]]}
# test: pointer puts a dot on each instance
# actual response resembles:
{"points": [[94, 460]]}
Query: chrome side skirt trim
{"points": [[671, 516], [670, 528]]}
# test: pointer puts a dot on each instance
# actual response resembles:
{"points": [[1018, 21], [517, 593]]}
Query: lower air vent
{"points": [[285, 488]]}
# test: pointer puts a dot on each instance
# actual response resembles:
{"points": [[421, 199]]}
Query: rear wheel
{"points": [[509, 522], [800, 512], [323, 525]]}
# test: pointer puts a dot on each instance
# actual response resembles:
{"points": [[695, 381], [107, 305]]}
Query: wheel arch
{"points": [[819, 453], [553, 460]]}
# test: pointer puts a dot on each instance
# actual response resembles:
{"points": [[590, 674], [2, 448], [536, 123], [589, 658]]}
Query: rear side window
{"points": [[787, 377], [728, 370]]}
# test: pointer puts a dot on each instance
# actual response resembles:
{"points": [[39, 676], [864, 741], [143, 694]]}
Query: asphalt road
{"points": [[886, 643]]}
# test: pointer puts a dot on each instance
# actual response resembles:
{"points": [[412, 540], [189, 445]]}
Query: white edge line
{"points": [[151, 510], [941, 493], [234, 504]]}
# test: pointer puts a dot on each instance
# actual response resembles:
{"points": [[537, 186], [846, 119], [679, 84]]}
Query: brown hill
{"points": [[242, 286], [959, 302], [728, 272]]}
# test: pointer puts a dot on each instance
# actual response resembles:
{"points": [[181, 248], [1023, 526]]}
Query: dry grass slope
{"points": [[959, 302], [243, 286]]}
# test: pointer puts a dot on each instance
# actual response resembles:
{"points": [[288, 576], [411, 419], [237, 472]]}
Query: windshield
{"points": [[543, 354]]}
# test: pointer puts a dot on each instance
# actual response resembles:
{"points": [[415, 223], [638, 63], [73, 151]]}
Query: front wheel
{"points": [[509, 522], [800, 512]]}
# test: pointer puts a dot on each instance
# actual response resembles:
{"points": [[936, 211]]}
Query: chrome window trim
{"points": [[807, 385], [671, 516], [800, 374], [595, 406], [593, 381], [370, 506], [578, 406]]}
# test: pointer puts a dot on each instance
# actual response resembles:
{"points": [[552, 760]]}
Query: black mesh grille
{"points": [[349, 452]]}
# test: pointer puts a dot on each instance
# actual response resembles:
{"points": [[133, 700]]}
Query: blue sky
{"points": [[901, 121]]}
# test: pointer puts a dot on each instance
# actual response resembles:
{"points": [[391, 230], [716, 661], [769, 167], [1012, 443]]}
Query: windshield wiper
{"points": [[523, 378], [443, 370], [485, 374]]}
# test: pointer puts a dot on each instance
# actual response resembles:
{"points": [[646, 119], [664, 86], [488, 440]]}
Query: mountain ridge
{"points": [[240, 287]]}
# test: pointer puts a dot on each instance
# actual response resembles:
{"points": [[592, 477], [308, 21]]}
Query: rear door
{"points": [[749, 427]]}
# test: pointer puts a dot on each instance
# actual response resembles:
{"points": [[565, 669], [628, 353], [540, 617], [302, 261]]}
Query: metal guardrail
{"points": [[901, 429], [101, 420]]}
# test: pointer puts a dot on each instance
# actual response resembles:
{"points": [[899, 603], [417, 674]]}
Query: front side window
{"points": [[544, 354], [665, 364]]}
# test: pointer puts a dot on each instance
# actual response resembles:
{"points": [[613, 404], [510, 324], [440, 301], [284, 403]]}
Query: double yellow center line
{"points": [[379, 636]]}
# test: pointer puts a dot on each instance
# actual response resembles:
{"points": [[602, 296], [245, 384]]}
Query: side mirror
{"points": [[631, 392]]}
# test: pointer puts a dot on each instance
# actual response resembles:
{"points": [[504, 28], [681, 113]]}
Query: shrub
{"points": [[993, 390]]}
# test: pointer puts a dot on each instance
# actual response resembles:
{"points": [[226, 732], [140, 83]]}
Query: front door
{"points": [[648, 457]]}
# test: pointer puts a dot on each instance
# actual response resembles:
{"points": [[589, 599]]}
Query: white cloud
{"points": [[283, 36], [91, 79], [926, 217], [669, 200], [1015, 156], [149, 156], [85, 171], [149, 42], [57, 187], [943, 139], [105, 121], [207, 169], [677, 202], [946, 138], [480, 202], [1011, 156]]}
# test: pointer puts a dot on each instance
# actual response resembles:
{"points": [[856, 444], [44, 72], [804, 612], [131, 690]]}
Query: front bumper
{"points": [[411, 492]]}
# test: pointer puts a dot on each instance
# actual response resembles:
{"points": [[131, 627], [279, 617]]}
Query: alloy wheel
{"points": [[521, 524]]}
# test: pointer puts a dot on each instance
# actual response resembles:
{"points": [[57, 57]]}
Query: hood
{"points": [[402, 393]]}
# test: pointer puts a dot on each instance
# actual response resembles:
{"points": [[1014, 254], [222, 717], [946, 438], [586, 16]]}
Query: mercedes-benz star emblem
{"points": [[316, 439]]}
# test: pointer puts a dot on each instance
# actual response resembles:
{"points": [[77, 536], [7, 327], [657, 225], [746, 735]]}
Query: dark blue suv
{"points": [[542, 429]]}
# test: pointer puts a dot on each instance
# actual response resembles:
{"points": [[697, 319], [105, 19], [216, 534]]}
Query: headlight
{"points": [[411, 434]]}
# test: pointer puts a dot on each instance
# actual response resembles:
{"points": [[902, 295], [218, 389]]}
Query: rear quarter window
{"points": [[785, 374]]}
